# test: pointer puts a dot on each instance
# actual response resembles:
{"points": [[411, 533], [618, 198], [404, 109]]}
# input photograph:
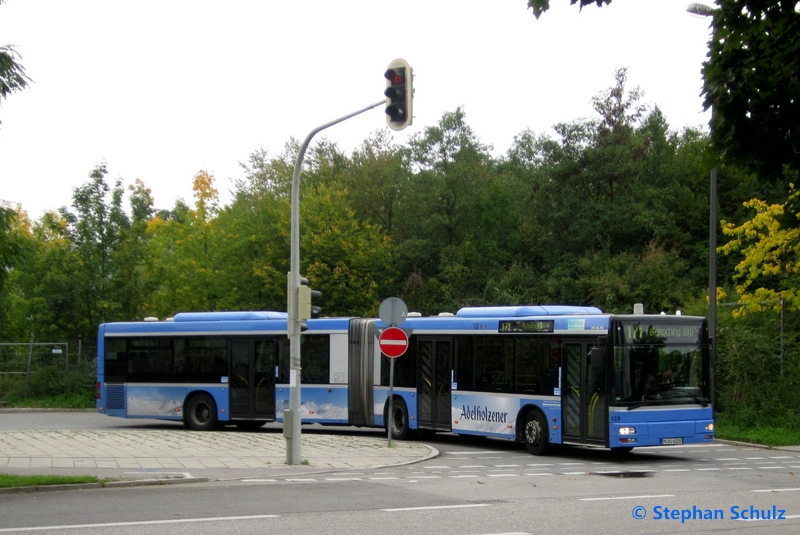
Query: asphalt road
{"points": [[473, 487]]}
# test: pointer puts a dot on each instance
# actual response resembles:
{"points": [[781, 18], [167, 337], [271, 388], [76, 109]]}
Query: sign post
{"points": [[393, 342]]}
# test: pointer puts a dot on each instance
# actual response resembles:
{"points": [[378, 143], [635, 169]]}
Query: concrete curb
{"points": [[33, 409], [101, 485], [754, 445]]}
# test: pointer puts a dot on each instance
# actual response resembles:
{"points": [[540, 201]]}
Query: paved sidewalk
{"points": [[148, 454]]}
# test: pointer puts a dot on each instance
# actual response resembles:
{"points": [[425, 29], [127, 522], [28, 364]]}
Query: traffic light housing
{"points": [[399, 94], [305, 300]]}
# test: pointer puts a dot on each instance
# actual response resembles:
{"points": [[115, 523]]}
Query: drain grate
{"points": [[619, 474]]}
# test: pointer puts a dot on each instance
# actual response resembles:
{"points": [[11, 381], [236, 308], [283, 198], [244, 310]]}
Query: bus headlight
{"points": [[627, 430], [710, 427]]}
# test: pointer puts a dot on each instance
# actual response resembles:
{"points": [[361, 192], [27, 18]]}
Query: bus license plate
{"points": [[667, 441]]}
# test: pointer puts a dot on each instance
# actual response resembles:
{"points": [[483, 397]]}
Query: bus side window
{"points": [[116, 362], [465, 364]]}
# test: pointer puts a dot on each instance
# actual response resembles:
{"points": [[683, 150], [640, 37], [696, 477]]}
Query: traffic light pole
{"points": [[292, 434]]}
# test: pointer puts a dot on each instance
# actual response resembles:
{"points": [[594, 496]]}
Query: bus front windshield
{"points": [[652, 371]]}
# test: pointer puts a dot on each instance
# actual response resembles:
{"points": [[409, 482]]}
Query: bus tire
{"points": [[201, 413], [398, 420], [534, 433]]}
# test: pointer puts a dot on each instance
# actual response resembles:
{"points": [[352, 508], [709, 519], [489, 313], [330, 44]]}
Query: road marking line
{"points": [[628, 497], [137, 523], [775, 490], [433, 507], [470, 452]]}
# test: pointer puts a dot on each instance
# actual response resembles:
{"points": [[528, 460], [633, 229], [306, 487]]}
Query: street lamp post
{"points": [[708, 11]]}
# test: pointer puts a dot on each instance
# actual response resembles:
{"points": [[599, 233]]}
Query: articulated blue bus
{"points": [[541, 375]]}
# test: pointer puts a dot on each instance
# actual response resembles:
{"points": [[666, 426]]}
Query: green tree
{"points": [[376, 175], [348, 260], [752, 79], [42, 298], [540, 6], [610, 199], [12, 73], [184, 250], [10, 248], [132, 280], [255, 230], [95, 229], [454, 220]]}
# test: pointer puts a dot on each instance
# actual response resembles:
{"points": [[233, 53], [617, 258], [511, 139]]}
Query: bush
{"points": [[51, 386], [756, 380]]}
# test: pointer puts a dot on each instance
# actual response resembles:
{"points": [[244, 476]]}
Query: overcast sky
{"points": [[160, 89]]}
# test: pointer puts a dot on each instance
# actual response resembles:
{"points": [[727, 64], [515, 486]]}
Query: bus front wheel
{"points": [[398, 420], [535, 433], [201, 413]]}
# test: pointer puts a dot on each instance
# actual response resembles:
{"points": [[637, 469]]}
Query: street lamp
{"points": [[708, 11], [701, 9]]}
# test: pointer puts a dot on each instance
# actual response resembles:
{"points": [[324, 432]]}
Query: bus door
{"points": [[252, 379], [435, 362], [583, 399]]}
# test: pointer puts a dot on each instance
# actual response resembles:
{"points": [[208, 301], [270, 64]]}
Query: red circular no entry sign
{"points": [[393, 342]]}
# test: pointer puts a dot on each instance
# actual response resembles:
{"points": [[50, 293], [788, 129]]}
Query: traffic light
{"points": [[399, 94], [305, 298]]}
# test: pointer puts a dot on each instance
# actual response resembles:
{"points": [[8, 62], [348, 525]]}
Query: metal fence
{"points": [[18, 361]]}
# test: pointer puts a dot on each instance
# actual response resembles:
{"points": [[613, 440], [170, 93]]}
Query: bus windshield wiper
{"points": [[670, 401], [644, 404], [699, 401]]}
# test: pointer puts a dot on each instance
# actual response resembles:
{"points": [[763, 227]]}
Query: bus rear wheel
{"points": [[201, 413], [398, 420], [535, 433]]}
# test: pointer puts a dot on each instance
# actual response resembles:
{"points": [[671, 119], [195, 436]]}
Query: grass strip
{"points": [[8, 480], [755, 433]]}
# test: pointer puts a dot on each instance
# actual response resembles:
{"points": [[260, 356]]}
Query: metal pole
{"points": [[390, 416], [782, 320], [712, 278], [293, 451], [28, 371]]}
